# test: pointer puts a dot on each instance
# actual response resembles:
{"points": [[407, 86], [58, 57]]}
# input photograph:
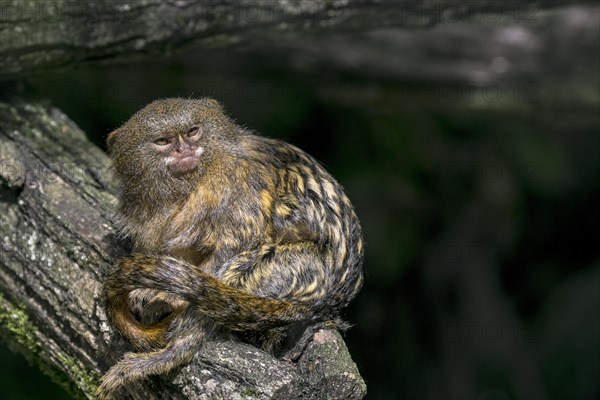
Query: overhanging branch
{"points": [[458, 41]]}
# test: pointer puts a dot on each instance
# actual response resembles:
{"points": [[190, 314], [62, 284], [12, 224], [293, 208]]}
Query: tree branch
{"points": [[458, 41], [58, 242]]}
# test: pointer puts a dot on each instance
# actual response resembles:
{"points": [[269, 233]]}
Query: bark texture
{"points": [[449, 40], [58, 242]]}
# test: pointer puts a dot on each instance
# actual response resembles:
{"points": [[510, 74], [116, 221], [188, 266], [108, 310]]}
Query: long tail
{"points": [[236, 309], [141, 336], [191, 333]]}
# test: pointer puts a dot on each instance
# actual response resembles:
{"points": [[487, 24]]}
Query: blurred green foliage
{"points": [[480, 213]]}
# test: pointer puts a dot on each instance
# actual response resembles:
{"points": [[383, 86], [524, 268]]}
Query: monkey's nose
{"points": [[182, 146]]}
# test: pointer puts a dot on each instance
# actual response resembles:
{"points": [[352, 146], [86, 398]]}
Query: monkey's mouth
{"points": [[183, 163]]}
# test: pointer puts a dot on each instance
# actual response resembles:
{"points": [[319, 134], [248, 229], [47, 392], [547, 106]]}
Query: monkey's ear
{"points": [[110, 140]]}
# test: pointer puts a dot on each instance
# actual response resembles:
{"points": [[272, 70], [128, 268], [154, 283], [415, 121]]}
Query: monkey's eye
{"points": [[194, 131], [162, 142]]}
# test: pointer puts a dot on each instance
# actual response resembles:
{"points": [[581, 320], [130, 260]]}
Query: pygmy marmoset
{"points": [[231, 231]]}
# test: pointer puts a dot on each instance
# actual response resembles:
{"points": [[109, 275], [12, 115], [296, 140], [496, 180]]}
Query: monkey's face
{"points": [[170, 141], [180, 152]]}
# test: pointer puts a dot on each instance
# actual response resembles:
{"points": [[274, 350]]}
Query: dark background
{"points": [[480, 207]]}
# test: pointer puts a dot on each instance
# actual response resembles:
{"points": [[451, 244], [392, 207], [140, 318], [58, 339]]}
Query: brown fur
{"points": [[232, 232]]}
